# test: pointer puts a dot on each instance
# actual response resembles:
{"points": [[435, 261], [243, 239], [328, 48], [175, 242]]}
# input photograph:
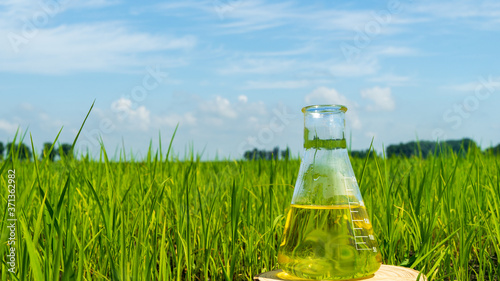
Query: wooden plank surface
{"points": [[385, 273]]}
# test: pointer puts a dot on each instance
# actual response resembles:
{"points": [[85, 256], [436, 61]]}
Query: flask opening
{"points": [[324, 126], [324, 108]]}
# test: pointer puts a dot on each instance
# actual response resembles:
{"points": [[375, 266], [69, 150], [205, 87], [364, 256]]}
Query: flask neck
{"points": [[324, 127]]}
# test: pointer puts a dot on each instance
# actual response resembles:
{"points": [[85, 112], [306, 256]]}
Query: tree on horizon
{"points": [[65, 150], [45, 152], [275, 154], [22, 151]]}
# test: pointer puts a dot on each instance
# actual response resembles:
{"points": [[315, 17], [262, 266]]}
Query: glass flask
{"points": [[328, 235]]}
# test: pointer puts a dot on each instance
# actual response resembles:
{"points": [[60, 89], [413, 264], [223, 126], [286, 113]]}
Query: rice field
{"points": [[160, 218]]}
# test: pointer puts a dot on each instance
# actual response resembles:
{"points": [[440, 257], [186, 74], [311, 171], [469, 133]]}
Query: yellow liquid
{"points": [[328, 243]]}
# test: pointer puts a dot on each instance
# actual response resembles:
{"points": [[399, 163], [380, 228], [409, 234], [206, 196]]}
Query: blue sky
{"points": [[235, 73]]}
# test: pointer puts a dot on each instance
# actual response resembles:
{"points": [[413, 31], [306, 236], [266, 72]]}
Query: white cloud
{"points": [[220, 107], [219, 116], [127, 116], [8, 127], [124, 115], [381, 98], [324, 95], [27, 106], [242, 98], [32, 117], [171, 120], [371, 134], [133, 119], [136, 123], [49, 122]]}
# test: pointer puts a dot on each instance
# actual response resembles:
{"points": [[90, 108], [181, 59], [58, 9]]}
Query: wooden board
{"points": [[385, 273]]}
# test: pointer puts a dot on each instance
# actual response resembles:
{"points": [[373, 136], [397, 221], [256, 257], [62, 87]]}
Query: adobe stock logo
{"points": [[371, 29], [266, 134], [32, 25], [223, 7], [463, 110]]}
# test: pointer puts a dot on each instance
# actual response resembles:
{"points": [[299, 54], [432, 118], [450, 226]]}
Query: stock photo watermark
{"points": [[266, 135], [32, 25], [139, 93], [222, 7], [463, 110], [280, 120], [371, 29], [11, 221]]}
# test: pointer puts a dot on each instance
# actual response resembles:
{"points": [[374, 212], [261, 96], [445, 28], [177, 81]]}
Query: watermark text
{"points": [[11, 221]]}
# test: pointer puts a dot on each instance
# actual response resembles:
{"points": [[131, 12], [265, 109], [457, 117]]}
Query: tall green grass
{"points": [[160, 218]]}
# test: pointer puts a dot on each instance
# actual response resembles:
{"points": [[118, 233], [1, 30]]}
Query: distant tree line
{"points": [[361, 153], [425, 148], [275, 154], [494, 150], [23, 152]]}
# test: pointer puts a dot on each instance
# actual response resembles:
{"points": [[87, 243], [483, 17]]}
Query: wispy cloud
{"points": [[202, 10], [392, 79], [381, 99], [482, 14], [458, 9], [254, 15], [26, 115], [246, 16], [394, 51], [171, 120], [354, 69], [92, 47], [257, 66], [90, 3], [296, 63], [17, 9], [220, 107], [307, 49], [35, 39], [489, 83], [287, 84]]}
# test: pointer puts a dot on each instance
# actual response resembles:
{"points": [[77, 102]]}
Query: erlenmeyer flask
{"points": [[328, 235]]}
